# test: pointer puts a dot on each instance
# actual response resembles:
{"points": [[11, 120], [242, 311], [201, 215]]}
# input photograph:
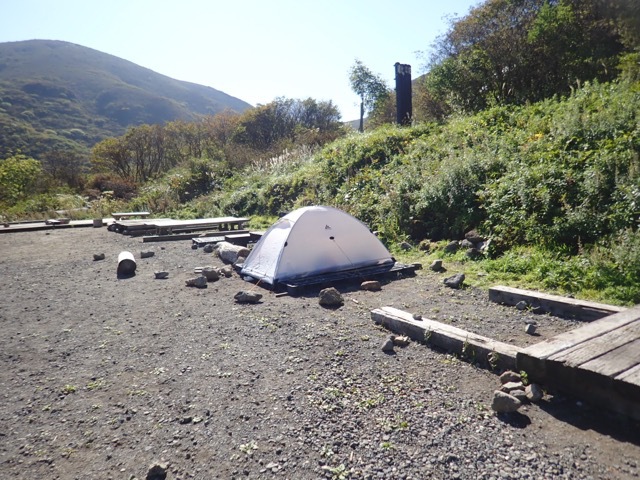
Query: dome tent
{"points": [[313, 241]]}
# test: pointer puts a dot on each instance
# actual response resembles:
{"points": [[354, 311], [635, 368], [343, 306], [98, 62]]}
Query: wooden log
{"points": [[554, 304], [486, 351]]}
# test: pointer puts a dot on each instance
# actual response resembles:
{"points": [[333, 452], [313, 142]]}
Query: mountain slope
{"points": [[61, 96]]}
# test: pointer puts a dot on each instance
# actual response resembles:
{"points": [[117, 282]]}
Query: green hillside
{"points": [[60, 96]]}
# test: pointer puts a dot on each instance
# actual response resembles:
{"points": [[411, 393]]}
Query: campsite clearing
{"points": [[103, 377]]}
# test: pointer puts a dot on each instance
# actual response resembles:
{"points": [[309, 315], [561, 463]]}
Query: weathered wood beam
{"points": [[554, 304], [486, 351]]}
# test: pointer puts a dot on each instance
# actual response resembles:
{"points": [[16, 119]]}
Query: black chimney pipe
{"points": [[404, 106]]}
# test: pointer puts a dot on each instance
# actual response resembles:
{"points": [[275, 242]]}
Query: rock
{"points": [[147, 254], [467, 244], [436, 265], [511, 386], [199, 282], [452, 246], [229, 253], [405, 246], [456, 281], [208, 248], [504, 403], [510, 376], [401, 341], [98, 256], [157, 471], [520, 395], [210, 273], [417, 316], [371, 285], [161, 275], [534, 392], [247, 297], [522, 305], [240, 261], [474, 237], [330, 297], [226, 271], [473, 253], [425, 245], [194, 246], [530, 329], [387, 345]]}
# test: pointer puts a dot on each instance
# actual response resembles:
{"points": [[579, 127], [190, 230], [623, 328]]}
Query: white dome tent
{"points": [[311, 242]]}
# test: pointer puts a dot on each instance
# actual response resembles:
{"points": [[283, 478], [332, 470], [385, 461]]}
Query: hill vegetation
{"points": [[550, 177], [58, 96]]}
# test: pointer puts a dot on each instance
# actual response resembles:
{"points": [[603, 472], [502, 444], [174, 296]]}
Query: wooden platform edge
{"points": [[554, 304], [470, 346], [545, 364]]}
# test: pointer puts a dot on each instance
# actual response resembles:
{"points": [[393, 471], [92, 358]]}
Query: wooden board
{"points": [[470, 345], [599, 362], [554, 304]]}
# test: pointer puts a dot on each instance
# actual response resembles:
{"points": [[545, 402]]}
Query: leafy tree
{"points": [[518, 51], [19, 175], [67, 167], [370, 87]]}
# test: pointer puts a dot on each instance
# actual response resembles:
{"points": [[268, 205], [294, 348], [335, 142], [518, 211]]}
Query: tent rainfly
{"points": [[313, 241]]}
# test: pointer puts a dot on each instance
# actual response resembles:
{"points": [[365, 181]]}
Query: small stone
{"points": [[452, 246], [387, 345], [456, 281], [210, 273], [401, 341], [474, 237], [406, 246], [161, 275], [519, 394], [371, 285], [417, 316], [530, 329], [208, 248], [247, 297], [436, 265], [157, 471], [521, 305], [467, 244], [534, 392], [199, 282], [226, 271], [330, 297], [510, 376], [511, 386], [98, 256], [147, 254], [504, 403]]}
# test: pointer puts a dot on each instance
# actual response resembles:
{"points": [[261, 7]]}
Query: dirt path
{"points": [[102, 377]]}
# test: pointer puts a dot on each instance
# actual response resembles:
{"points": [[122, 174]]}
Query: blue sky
{"points": [[251, 49]]}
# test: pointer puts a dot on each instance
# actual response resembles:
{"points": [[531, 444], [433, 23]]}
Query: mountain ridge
{"points": [[66, 96]]}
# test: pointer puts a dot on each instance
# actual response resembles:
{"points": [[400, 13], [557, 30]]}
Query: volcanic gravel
{"points": [[120, 378]]}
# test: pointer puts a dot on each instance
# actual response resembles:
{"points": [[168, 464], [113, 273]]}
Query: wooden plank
{"points": [[468, 344], [119, 215], [616, 361], [631, 376], [554, 304], [566, 340], [598, 346]]}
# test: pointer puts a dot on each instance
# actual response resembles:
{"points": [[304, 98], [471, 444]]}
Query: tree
{"points": [[518, 51], [371, 89], [18, 176]]}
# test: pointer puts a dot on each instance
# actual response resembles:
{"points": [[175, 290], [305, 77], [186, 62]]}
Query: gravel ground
{"points": [[104, 377]]}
